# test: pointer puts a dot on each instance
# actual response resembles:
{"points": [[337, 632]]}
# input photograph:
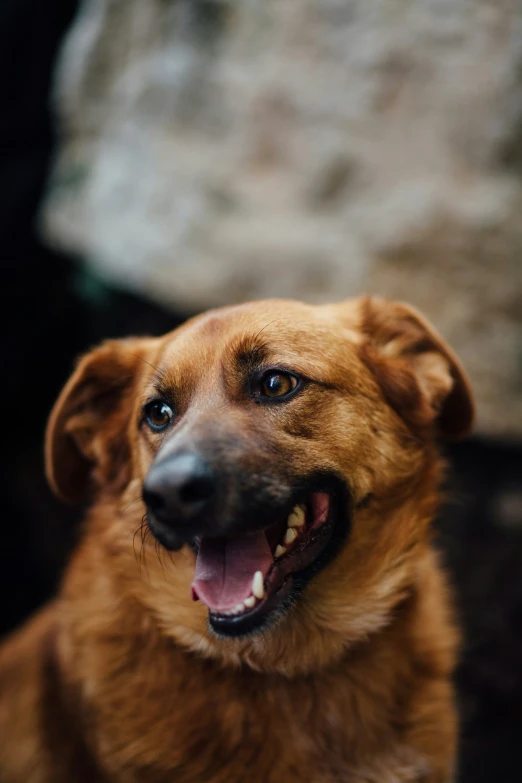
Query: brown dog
{"points": [[255, 597]]}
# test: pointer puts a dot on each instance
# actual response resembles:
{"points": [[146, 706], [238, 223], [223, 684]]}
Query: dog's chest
{"points": [[227, 728]]}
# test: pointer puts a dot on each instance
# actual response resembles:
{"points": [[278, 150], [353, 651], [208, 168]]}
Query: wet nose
{"points": [[179, 488]]}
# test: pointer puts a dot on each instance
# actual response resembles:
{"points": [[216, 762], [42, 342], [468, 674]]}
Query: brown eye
{"points": [[158, 415], [278, 384]]}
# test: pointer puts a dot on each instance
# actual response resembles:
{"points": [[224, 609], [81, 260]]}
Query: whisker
{"points": [[134, 544], [123, 510], [159, 373], [406, 435], [265, 327], [159, 549], [145, 530]]}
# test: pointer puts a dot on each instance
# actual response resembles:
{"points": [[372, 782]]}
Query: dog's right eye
{"points": [[158, 415]]}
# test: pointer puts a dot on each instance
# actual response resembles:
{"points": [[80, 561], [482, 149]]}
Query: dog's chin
{"points": [[251, 581]]}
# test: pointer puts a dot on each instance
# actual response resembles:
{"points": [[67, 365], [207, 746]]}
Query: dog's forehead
{"points": [[282, 327], [316, 341]]}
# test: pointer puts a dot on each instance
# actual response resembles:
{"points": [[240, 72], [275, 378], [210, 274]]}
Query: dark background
{"points": [[51, 311]]}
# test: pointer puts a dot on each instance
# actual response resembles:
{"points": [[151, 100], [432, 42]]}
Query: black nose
{"points": [[179, 488]]}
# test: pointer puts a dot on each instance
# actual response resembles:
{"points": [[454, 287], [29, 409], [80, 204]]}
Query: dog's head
{"points": [[284, 453]]}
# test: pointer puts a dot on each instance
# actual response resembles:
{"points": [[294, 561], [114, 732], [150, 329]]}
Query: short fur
{"points": [[119, 678]]}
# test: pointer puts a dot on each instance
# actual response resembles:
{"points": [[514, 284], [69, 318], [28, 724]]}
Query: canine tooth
{"points": [[280, 550], [290, 535], [297, 517], [257, 585], [249, 602]]}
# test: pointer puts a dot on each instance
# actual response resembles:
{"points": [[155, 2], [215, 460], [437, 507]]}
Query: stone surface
{"points": [[215, 151]]}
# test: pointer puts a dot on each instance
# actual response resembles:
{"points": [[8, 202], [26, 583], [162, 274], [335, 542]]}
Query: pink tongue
{"points": [[225, 568]]}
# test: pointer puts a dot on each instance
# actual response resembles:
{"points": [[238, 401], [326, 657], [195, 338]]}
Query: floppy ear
{"points": [[419, 374], [86, 443]]}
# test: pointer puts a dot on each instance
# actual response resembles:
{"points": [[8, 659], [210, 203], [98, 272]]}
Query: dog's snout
{"points": [[179, 487]]}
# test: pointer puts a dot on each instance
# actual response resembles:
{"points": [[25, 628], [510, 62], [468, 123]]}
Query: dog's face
{"points": [[283, 453]]}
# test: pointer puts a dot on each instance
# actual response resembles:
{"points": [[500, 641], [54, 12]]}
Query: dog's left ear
{"points": [[86, 443], [419, 374]]}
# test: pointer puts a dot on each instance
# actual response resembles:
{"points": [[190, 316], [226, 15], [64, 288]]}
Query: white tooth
{"points": [[290, 535], [257, 585], [249, 602], [297, 517], [280, 550], [239, 608]]}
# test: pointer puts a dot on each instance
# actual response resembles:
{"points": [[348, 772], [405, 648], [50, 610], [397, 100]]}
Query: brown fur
{"points": [[119, 679]]}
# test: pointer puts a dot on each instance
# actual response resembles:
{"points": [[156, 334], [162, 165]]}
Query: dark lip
{"points": [[289, 584]]}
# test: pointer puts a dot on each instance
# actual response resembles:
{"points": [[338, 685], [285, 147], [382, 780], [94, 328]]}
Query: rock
{"points": [[219, 150]]}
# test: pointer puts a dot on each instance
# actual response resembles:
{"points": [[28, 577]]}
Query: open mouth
{"points": [[244, 580]]}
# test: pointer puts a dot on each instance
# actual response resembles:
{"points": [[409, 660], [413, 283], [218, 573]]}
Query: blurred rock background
{"points": [[200, 152], [221, 150]]}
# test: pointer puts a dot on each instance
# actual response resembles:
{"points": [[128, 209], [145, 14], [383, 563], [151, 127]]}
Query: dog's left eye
{"points": [[158, 415], [277, 384]]}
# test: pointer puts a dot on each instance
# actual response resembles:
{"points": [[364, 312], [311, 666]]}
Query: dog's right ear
{"points": [[86, 443], [419, 374]]}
